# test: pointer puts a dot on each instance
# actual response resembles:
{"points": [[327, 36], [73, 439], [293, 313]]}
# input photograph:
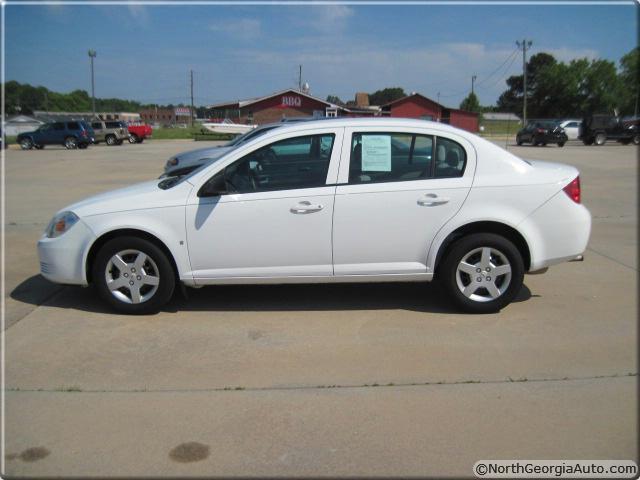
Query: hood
{"points": [[135, 197], [194, 155]]}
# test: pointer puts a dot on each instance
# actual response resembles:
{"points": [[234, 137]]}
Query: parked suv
{"points": [[71, 134], [600, 128], [112, 132]]}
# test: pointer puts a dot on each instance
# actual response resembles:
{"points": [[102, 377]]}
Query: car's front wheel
{"points": [[133, 275], [110, 140], [561, 144], [482, 273], [133, 138]]}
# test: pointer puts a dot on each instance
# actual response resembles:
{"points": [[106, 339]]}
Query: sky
{"points": [[146, 52]]}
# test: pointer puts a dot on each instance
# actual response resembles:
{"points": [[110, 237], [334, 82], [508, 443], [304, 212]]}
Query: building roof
{"points": [[250, 101], [413, 95], [22, 119], [500, 116]]}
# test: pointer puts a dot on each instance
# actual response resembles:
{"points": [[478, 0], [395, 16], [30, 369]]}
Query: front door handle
{"points": [[432, 200], [305, 207]]}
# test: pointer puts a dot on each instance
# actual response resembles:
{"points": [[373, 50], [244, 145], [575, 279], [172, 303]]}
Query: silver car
{"points": [[186, 162]]}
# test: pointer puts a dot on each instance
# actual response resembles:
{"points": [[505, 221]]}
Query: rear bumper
{"points": [[557, 232]]}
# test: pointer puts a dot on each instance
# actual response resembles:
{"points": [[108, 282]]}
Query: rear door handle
{"points": [[305, 207], [432, 200]]}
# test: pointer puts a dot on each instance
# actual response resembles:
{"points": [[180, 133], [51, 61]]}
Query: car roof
{"points": [[370, 122]]}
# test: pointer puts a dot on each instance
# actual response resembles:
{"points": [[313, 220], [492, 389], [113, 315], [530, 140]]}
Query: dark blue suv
{"points": [[71, 134]]}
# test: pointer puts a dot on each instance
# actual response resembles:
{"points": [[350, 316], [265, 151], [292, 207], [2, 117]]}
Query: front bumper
{"points": [[62, 259]]}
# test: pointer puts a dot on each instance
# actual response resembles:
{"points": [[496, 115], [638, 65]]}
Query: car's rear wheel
{"points": [[636, 139], [110, 139], [482, 272], [133, 138], [70, 143], [26, 144], [588, 141], [561, 144], [600, 139], [133, 275], [39, 147]]}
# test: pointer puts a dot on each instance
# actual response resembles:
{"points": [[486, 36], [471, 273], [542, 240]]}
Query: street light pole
{"points": [[92, 55], [524, 45]]}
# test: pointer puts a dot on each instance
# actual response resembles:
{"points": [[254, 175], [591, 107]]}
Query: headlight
{"points": [[60, 224]]}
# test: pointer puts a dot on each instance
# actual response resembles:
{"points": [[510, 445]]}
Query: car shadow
{"points": [[410, 296]]}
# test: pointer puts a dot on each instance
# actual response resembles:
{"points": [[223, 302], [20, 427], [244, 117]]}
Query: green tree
{"points": [[384, 96], [471, 103], [334, 99], [629, 82]]}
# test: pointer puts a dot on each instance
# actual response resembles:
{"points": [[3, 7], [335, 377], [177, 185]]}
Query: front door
{"points": [[400, 188], [273, 219]]}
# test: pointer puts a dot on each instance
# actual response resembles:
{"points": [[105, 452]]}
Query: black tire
{"points": [[133, 138], [119, 142], [600, 139], [83, 145], [110, 140], [636, 139], [448, 272], [26, 144], [561, 144], [39, 147], [165, 273], [518, 141], [588, 141], [71, 143], [140, 139]]}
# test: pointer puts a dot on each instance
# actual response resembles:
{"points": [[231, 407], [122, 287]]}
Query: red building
{"points": [[419, 106], [289, 103], [292, 103]]}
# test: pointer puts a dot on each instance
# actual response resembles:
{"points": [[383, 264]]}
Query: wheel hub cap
{"points": [[132, 276], [483, 274]]}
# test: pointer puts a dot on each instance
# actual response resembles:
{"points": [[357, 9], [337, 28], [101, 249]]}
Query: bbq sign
{"points": [[291, 101]]}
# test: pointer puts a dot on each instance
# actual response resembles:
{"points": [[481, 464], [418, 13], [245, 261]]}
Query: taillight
{"points": [[540, 130], [573, 189]]}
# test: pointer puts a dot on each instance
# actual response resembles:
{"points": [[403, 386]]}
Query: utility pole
{"points": [[524, 45], [300, 79], [92, 55], [192, 98], [473, 81]]}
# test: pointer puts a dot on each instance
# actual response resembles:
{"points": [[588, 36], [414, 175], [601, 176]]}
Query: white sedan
{"points": [[571, 128], [344, 200]]}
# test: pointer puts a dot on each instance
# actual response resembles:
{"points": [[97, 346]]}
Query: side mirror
{"points": [[215, 187]]}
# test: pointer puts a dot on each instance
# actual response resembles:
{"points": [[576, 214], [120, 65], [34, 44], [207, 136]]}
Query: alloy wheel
{"points": [[132, 276], [483, 274]]}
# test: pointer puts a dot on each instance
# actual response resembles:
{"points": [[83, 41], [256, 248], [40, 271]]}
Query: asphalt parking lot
{"points": [[323, 380]]}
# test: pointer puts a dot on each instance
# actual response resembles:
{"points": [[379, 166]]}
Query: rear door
{"points": [[397, 188]]}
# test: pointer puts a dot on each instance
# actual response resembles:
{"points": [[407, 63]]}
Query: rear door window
{"points": [[96, 125], [390, 157], [73, 126], [451, 159]]}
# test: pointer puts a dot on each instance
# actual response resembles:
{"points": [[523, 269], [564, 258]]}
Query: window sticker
{"points": [[376, 153]]}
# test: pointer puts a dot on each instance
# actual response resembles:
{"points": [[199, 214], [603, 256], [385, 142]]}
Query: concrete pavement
{"points": [[380, 379]]}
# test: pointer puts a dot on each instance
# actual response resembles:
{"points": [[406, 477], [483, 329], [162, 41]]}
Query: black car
{"points": [[71, 134], [600, 128], [541, 133]]}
